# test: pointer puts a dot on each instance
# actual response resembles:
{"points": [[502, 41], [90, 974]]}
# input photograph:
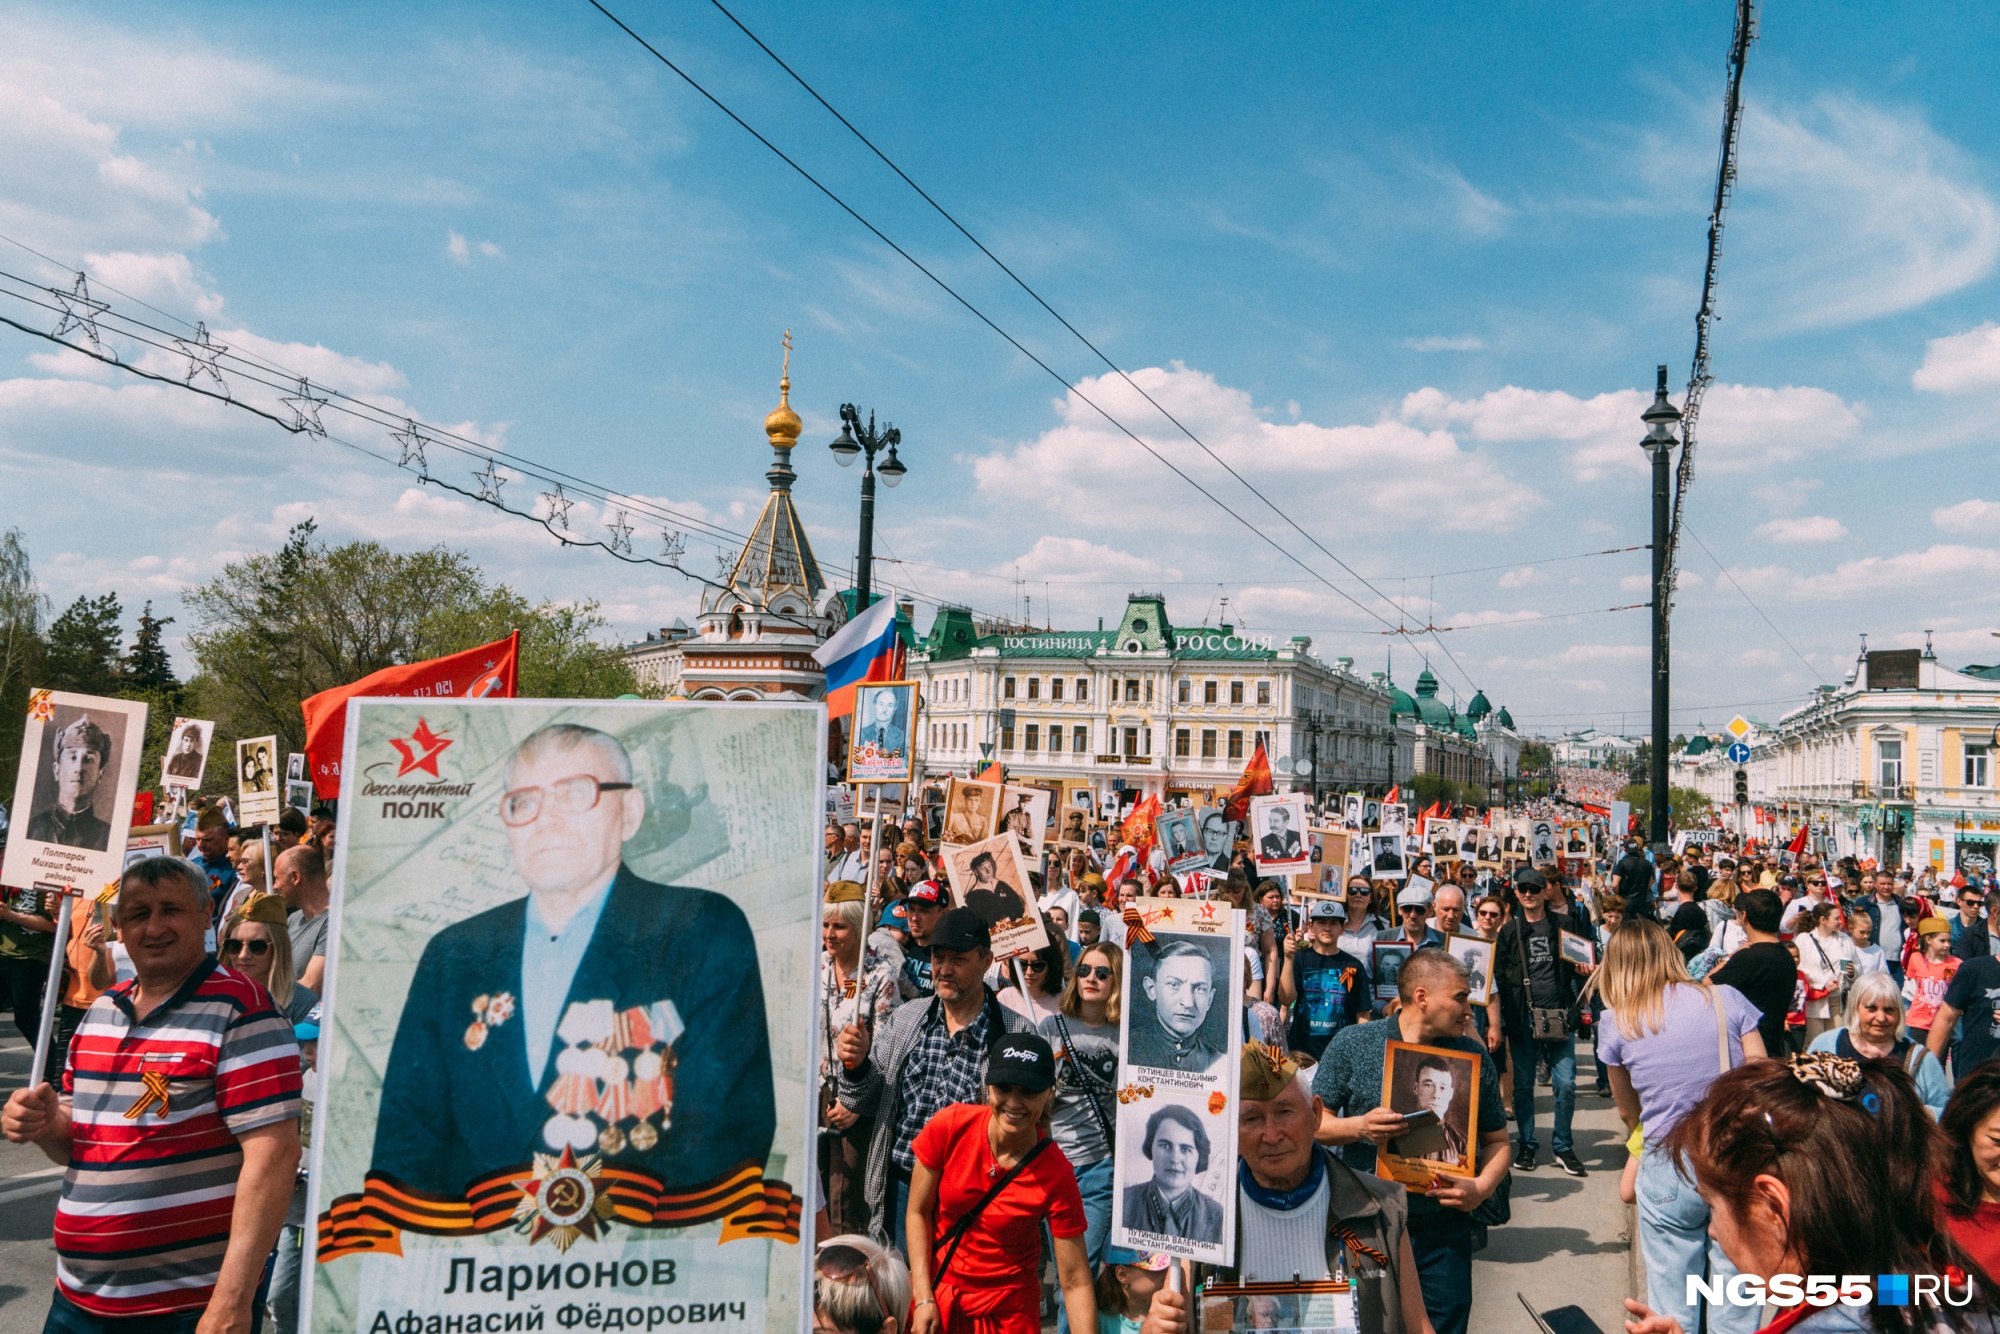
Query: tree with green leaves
{"points": [[23, 610], [81, 651], [1536, 756], [275, 628], [1686, 807]]}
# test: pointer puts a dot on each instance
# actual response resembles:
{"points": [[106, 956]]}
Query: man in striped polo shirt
{"points": [[179, 1126]]}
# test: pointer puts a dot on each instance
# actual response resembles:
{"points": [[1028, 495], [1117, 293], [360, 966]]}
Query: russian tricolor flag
{"points": [[867, 648]]}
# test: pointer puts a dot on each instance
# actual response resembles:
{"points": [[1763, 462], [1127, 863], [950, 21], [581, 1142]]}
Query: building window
{"points": [[1082, 689], [1208, 743], [1131, 741], [1890, 753], [1235, 745], [1208, 692], [1034, 687], [1055, 687], [1975, 766], [1263, 692], [1182, 692], [1006, 738], [1079, 739], [1181, 743], [1235, 692], [1259, 739], [1149, 690], [1131, 690], [1033, 738], [1007, 688]]}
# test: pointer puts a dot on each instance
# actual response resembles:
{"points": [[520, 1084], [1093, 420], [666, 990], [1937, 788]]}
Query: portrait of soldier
{"points": [[257, 768], [883, 728], [967, 819], [1281, 841], [1172, 1005], [1178, 1146], [1073, 826], [184, 760], [992, 898], [1432, 1085], [599, 1012], [80, 760]]}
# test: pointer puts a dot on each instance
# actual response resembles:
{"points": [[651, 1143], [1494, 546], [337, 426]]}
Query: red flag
{"points": [[1255, 782], [1138, 827], [1798, 842], [1394, 793], [992, 773], [478, 673]]}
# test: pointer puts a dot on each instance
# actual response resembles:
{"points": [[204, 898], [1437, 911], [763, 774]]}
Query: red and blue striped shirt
{"points": [[146, 1203]]}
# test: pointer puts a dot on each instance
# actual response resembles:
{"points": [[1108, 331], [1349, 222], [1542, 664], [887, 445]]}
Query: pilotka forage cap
{"points": [[1267, 1071]]}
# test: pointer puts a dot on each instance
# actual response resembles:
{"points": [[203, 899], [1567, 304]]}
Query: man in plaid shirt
{"points": [[179, 1124]]}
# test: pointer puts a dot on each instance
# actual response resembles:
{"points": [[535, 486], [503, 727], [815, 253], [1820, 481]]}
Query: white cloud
{"points": [[1851, 212], [1794, 532], [490, 250], [1959, 362], [456, 247], [1967, 516], [1441, 343], [1945, 570], [1521, 578], [166, 280], [1377, 477], [1743, 427]]}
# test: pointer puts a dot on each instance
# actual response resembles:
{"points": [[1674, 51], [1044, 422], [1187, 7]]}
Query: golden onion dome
{"points": [[783, 425]]}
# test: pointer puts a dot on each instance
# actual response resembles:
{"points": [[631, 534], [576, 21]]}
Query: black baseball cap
{"points": [[961, 931], [1021, 1059], [1530, 879]]}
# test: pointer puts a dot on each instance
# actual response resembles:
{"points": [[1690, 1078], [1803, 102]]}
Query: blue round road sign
{"points": [[1738, 753]]}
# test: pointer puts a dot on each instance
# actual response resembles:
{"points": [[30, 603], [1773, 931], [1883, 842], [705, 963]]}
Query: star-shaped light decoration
{"points": [[80, 311], [490, 481], [621, 533], [559, 507], [411, 441], [420, 750], [674, 545], [563, 1200], [202, 352], [305, 405]]}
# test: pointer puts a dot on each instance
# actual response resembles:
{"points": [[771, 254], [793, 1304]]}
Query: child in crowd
{"points": [[1125, 1288]]}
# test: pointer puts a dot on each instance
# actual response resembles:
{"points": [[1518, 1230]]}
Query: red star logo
{"points": [[420, 750], [1205, 913]]}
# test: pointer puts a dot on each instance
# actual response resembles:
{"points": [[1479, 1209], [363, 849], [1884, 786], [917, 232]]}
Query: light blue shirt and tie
{"points": [[549, 960]]}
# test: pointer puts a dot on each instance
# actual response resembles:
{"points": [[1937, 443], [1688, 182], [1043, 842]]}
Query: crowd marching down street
{"points": [[1801, 1053]]}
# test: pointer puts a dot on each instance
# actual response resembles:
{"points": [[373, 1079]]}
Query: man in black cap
{"points": [[1532, 979], [930, 1053]]}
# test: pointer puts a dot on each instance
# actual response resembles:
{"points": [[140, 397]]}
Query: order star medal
{"points": [[563, 1200]]}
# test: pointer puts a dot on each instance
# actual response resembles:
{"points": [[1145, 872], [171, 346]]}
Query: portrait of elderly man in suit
{"points": [[599, 1012], [80, 760], [883, 726]]}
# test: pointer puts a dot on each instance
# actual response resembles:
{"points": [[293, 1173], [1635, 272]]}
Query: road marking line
{"points": [[39, 1188]]}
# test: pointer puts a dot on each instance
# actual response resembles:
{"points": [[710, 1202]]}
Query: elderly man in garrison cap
{"points": [[1302, 1212], [601, 1012], [81, 755]]}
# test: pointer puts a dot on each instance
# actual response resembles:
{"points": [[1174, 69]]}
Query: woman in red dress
{"points": [[986, 1178]]}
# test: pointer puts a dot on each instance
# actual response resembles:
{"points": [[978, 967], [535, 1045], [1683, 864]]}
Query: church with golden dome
{"points": [[756, 631]]}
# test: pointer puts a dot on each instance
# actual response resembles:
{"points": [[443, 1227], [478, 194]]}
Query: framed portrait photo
{"points": [[971, 809], [1385, 966], [1387, 858], [991, 878], [1577, 949], [72, 802], [1351, 811], [1024, 813], [1395, 817], [1179, 833], [1278, 834], [1476, 953], [187, 753], [1437, 1089], [257, 780], [878, 748]]}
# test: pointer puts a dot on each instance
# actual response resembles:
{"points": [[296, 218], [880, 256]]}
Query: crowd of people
{"points": [[1841, 1011]]}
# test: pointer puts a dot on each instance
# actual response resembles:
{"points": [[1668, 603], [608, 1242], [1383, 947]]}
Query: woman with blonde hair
{"points": [[256, 943], [1664, 1039], [1083, 1033]]}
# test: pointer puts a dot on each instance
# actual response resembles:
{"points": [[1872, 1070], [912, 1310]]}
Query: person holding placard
{"points": [[1326, 986]]}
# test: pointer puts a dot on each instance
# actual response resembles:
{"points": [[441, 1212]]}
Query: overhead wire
{"points": [[1724, 571], [1018, 346]]}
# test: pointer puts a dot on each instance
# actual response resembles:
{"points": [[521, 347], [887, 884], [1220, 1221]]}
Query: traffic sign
{"points": [[1739, 727], [1738, 753]]}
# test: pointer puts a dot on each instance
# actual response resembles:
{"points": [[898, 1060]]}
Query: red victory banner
{"points": [[477, 673], [1255, 782]]}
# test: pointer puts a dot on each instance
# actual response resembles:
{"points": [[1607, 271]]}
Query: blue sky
{"points": [[1407, 269]]}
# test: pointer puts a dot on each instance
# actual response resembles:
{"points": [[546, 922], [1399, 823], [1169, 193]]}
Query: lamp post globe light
{"points": [[1659, 444], [856, 440]]}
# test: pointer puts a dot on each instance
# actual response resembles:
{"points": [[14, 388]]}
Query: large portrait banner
{"points": [[567, 1044], [1174, 1179]]}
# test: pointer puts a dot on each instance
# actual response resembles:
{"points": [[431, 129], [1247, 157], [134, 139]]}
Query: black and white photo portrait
{"points": [[1179, 1015], [1176, 1145], [187, 753], [878, 750], [76, 784], [970, 809], [1385, 855], [1351, 808], [1278, 833]]}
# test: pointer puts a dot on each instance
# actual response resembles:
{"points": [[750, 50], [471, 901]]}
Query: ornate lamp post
{"points": [[1659, 446], [856, 439]]}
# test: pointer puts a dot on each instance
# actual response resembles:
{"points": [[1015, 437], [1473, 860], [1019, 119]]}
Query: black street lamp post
{"points": [[1659, 446], [856, 439]]}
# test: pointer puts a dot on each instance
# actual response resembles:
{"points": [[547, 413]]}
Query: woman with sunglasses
{"points": [[986, 1179], [1046, 970], [859, 1288], [1083, 1033], [256, 943]]}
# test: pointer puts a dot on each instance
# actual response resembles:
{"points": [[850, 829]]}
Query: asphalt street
{"points": [[28, 1187]]}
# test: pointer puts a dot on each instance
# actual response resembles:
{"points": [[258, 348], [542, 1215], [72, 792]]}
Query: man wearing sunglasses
{"points": [[602, 1012]]}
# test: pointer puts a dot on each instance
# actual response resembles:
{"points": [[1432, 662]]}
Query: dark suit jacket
{"points": [[1153, 1046], [1283, 847], [889, 738], [1146, 1212], [81, 830], [450, 1113]]}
